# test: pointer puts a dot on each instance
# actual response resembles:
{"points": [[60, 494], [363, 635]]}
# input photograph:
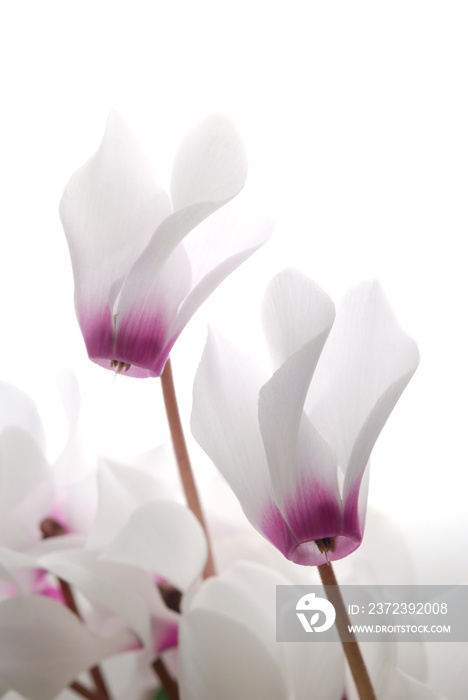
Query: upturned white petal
{"points": [[367, 362], [295, 312], [162, 537], [211, 163], [109, 211], [298, 317], [224, 422], [43, 646]]}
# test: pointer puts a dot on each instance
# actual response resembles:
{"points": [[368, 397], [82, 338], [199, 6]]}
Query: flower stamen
{"points": [[49, 527], [119, 366], [325, 545]]}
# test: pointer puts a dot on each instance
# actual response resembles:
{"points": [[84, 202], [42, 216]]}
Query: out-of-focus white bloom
{"points": [[142, 549]]}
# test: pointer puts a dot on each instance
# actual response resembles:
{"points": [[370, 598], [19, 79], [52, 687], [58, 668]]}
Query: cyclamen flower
{"points": [[295, 448], [137, 283]]}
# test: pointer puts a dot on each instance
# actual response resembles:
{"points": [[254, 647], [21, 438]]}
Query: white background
{"points": [[355, 116]]}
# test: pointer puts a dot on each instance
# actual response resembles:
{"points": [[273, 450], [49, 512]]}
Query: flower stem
{"points": [[183, 460], [102, 692], [168, 683], [350, 648], [82, 690]]}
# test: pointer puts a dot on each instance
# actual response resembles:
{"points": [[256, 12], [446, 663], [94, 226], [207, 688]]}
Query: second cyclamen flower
{"points": [[137, 282], [295, 447]]}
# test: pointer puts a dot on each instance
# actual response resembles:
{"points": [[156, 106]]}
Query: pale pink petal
{"points": [[298, 316], [211, 164], [43, 646], [311, 501], [146, 310], [162, 537], [109, 211], [14, 572], [221, 658], [225, 424]]}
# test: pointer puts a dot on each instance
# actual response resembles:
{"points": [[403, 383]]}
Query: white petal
{"points": [[403, 687], [316, 670], [211, 165], [162, 537], [295, 311], [146, 309], [122, 490], [109, 211], [220, 658], [43, 646], [102, 583], [298, 463], [11, 564], [26, 489], [448, 668], [4, 688], [371, 429], [297, 316], [367, 362], [372, 558], [225, 424], [17, 409], [217, 247], [246, 594]]}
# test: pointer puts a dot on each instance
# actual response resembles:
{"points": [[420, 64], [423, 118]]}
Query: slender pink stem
{"points": [[183, 459], [81, 689], [102, 692], [52, 528], [168, 683], [350, 648]]}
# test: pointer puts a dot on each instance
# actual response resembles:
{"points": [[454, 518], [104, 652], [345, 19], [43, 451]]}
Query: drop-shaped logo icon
{"points": [[313, 604]]}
